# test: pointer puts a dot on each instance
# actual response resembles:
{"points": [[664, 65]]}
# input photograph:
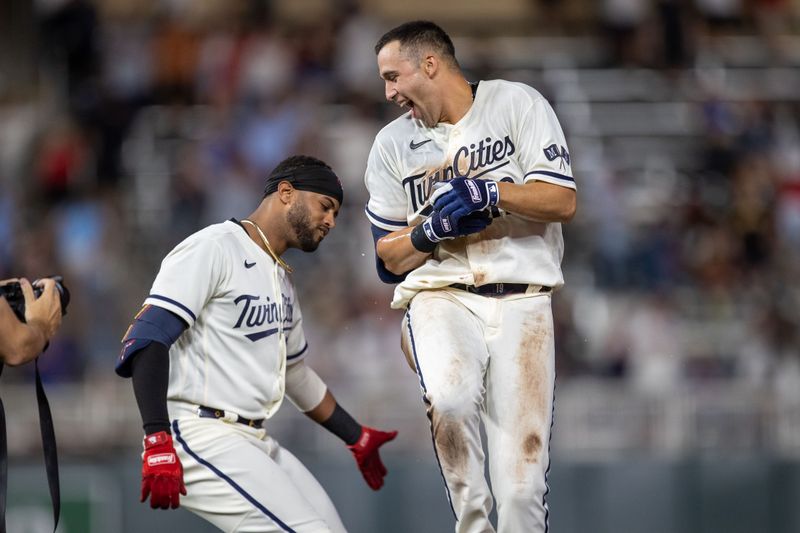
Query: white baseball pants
{"points": [[491, 358], [242, 480]]}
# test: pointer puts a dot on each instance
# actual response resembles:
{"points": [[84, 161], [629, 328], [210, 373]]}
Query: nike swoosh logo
{"points": [[414, 145], [249, 265]]}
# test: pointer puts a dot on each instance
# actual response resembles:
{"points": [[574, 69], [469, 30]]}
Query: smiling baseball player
{"points": [[217, 343], [467, 193]]}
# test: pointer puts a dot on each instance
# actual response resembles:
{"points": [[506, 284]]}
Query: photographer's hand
{"points": [[21, 343], [45, 311], [42, 313]]}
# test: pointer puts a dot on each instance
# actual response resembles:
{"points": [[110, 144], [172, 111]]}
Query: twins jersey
{"points": [[509, 134], [244, 322]]}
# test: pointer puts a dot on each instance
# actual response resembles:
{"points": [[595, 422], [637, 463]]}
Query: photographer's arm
{"points": [[22, 342]]}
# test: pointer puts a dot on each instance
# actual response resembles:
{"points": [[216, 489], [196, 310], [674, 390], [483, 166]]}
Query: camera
{"points": [[16, 300]]}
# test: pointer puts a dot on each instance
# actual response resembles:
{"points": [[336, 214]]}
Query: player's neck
{"points": [[272, 232], [457, 99]]}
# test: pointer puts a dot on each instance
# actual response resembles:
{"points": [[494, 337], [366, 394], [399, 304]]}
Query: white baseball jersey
{"points": [[509, 134], [243, 327]]}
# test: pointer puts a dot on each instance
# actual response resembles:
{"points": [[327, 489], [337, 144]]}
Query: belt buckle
{"points": [[227, 416]]}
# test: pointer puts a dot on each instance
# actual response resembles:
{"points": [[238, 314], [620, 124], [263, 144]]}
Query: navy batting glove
{"points": [[437, 228], [461, 196], [473, 223]]}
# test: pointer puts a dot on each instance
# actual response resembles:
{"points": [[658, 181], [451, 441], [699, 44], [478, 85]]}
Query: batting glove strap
{"points": [[493, 191], [431, 232]]}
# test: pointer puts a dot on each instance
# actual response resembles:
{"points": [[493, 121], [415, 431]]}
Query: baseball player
{"points": [[212, 352], [467, 193]]}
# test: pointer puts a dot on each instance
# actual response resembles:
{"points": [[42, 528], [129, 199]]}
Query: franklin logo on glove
{"points": [[164, 458], [474, 193]]}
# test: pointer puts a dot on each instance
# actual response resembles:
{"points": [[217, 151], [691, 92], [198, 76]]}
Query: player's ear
{"points": [[430, 65], [286, 192]]}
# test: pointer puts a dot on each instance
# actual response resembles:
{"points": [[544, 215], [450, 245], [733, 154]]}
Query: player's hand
{"points": [[461, 196], [365, 450], [473, 223], [439, 228], [162, 472]]}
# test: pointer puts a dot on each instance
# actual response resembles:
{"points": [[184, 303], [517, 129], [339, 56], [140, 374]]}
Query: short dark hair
{"points": [[296, 162], [420, 34]]}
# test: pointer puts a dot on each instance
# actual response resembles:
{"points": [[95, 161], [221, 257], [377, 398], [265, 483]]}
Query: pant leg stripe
{"points": [[426, 402], [549, 460], [228, 480]]}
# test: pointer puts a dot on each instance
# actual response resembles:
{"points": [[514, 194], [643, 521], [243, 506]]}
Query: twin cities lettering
{"points": [[470, 161], [255, 313]]}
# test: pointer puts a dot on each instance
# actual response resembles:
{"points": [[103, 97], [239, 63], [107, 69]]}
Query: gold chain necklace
{"points": [[270, 251]]}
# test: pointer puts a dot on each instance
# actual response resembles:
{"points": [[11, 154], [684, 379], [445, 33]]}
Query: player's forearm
{"points": [[323, 410], [150, 369], [398, 253], [330, 415], [538, 200]]}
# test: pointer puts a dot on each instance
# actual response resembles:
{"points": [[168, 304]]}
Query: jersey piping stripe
{"points": [[227, 479], [173, 302], [552, 175], [298, 354], [547, 470], [430, 418], [386, 221]]}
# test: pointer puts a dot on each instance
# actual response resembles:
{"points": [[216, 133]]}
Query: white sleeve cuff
{"points": [[304, 388]]}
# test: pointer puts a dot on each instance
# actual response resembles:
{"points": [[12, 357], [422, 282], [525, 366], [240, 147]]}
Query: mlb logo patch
{"points": [[554, 151]]}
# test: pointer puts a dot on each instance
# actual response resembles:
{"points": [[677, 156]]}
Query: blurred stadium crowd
{"points": [[127, 125]]}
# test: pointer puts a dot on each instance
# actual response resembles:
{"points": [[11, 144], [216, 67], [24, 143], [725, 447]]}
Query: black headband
{"points": [[317, 179]]}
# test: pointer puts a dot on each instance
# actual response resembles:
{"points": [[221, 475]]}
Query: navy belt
{"points": [[208, 412], [497, 289]]}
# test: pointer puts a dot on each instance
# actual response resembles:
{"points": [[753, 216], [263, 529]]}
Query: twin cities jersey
{"points": [[243, 329], [509, 134]]}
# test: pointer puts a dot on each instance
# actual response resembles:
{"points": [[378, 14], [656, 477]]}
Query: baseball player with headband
{"points": [[212, 352], [468, 190]]}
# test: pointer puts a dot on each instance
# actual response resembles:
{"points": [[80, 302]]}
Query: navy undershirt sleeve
{"points": [[383, 272], [150, 369], [152, 324]]}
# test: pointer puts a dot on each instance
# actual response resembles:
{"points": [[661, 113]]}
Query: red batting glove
{"points": [[365, 450], [162, 472]]}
